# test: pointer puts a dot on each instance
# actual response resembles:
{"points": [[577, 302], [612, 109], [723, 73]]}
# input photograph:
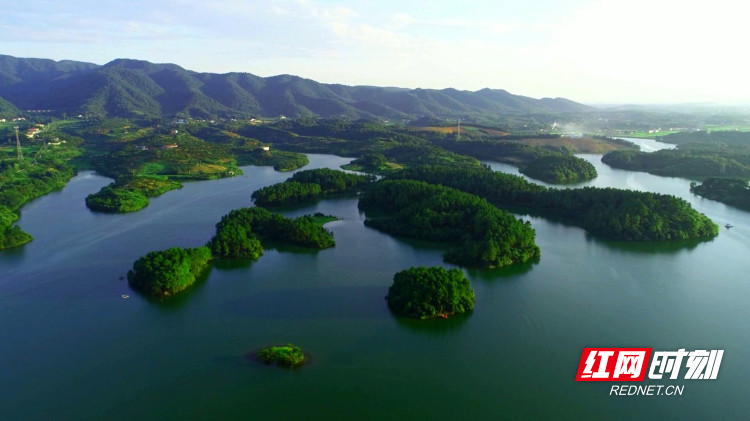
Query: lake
{"points": [[72, 348]]}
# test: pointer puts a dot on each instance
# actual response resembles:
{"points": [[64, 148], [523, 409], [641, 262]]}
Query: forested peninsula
{"points": [[481, 234], [555, 165], [732, 191], [608, 213]]}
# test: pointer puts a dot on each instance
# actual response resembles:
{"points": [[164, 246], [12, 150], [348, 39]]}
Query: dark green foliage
{"points": [[552, 165], [308, 185], [258, 224], [498, 188], [332, 181], [234, 240], [12, 236], [423, 293], [167, 272], [691, 162], [484, 236], [286, 193], [626, 214], [285, 356], [609, 213], [732, 191], [560, 169]]}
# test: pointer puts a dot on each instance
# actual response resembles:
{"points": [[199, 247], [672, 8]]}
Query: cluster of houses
{"points": [[2, 120]]}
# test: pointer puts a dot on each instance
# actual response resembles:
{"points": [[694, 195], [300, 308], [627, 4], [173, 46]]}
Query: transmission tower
{"points": [[458, 137], [18, 145]]}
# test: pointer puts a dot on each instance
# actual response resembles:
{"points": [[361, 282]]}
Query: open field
{"points": [[578, 145]]}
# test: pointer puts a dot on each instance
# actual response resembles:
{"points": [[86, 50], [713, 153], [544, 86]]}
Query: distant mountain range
{"points": [[135, 88]]}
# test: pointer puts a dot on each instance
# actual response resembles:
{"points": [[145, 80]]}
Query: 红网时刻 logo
{"points": [[631, 364]]}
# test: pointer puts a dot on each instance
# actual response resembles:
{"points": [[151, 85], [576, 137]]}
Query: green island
{"points": [[481, 234], [609, 213], [732, 191], [287, 356], [238, 235], [309, 185], [429, 292], [167, 272], [242, 232], [560, 169]]}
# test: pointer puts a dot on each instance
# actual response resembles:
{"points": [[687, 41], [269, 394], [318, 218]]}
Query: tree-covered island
{"points": [[424, 293], [167, 272], [560, 169], [287, 356], [481, 234], [309, 185]]}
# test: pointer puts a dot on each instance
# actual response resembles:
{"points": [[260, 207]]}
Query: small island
{"points": [[560, 169], [167, 272], [429, 292], [288, 356]]}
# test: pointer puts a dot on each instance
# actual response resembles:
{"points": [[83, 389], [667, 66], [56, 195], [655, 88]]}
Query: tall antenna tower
{"points": [[18, 145], [458, 137]]}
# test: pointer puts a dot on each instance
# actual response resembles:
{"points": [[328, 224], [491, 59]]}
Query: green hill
{"points": [[136, 88]]}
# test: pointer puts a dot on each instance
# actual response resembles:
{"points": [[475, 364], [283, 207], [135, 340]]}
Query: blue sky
{"points": [[595, 51]]}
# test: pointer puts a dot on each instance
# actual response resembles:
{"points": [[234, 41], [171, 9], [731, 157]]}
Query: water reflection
{"points": [[349, 302], [433, 327]]}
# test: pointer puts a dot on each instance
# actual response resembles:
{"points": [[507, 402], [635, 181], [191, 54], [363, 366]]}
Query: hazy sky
{"points": [[595, 51]]}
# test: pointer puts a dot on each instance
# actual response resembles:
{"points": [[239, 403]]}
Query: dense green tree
{"points": [[167, 272], [606, 212], [285, 356], [483, 235], [560, 169], [235, 240], [732, 191], [305, 186], [239, 231], [423, 293]]}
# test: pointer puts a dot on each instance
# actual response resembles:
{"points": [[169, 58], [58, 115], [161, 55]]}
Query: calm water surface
{"points": [[72, 348]]}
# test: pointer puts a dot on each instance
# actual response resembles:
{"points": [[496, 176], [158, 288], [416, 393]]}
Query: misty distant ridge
{"points": [[138, 88]]}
